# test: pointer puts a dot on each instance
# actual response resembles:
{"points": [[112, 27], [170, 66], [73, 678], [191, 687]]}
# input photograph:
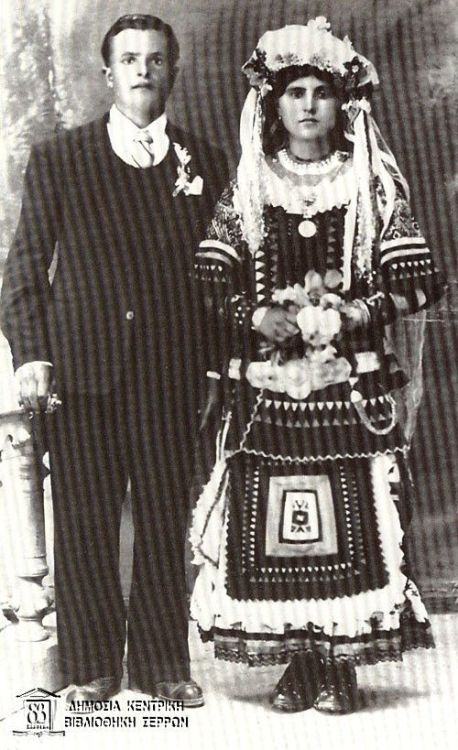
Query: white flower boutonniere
{"points": [[184, 183]]}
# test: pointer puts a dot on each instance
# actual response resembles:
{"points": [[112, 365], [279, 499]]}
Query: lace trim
{"points": [[371, 648], [376, 645], [307, 194], [321, 167], [369, 657], [329, 457]]}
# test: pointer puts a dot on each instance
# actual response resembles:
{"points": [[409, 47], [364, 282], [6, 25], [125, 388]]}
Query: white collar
{"points": [[308, 194], [122, 133]]}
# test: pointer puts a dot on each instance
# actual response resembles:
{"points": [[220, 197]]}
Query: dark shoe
{"points": [[339, 694], [187, 692], [100, 689], [299, 686]]}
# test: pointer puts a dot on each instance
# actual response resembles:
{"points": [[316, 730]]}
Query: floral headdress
{"points": [[312, 45], [316, 46]]}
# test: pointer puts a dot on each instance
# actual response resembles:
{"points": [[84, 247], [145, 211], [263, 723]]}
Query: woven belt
{"points": [[365, 362]]}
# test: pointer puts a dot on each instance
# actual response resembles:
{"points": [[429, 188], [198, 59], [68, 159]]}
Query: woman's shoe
{"points": [[187, 692], [339, 694], [299, 686]]}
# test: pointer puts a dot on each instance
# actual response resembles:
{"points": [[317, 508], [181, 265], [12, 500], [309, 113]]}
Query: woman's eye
{"points": [[159, 62], [128, 60]]}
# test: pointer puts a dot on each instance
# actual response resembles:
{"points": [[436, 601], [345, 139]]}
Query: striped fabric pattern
{"points": [[404, 249], [215, 250]]}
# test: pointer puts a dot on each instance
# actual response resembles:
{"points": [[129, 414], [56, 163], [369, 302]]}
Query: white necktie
{"points": [[143, 149]]}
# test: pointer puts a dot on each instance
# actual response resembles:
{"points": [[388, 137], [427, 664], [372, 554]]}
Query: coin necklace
{"points": [[307, 227]]}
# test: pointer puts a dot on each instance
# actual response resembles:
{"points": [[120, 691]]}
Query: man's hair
{"points": [[141, 21]]}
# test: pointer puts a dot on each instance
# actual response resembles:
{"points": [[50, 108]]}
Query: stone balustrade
{"points": [[22, 495], [23, 563]]}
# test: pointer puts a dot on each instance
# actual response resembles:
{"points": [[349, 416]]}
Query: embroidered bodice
{"points": [[304, 218]]}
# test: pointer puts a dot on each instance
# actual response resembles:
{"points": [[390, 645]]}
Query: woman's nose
{"points": [[309, 102]]}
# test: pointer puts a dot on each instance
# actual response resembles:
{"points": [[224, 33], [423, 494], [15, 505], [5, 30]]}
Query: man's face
{"points": [[140, 74]]}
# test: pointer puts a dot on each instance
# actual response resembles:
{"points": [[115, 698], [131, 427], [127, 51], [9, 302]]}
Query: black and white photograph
{"points": [[228, 381]]}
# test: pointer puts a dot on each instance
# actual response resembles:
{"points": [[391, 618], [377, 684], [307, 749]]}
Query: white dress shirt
{"points": [[130, 142]]}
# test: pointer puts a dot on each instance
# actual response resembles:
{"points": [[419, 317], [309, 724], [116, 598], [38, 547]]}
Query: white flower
{"points": [[263, 375], [194, 187], [333, 279], [182, 153], [365, 105], [322, 355], [336, 370], [306, 44], [330, 324], [320, 23], [301, 299], [297, 378], [331, 300], [354, 106], [313, 282], [183, 183], [318, 326], [280, 296]]}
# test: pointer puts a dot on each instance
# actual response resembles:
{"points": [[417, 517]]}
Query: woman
{"points": [[311, 253]]}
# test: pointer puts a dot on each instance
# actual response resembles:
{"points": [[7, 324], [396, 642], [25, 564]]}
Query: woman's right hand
{"points": [[278, 325]]}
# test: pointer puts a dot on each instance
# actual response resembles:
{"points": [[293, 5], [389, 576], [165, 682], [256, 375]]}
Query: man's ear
{"points": [[108, 76]]}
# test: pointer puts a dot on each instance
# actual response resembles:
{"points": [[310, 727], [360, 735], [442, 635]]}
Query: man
{"points": [[123, 201]]}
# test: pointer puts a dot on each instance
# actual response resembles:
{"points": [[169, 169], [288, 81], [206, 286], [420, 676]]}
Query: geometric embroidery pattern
{"points": [[300, 532], [300, 517]]}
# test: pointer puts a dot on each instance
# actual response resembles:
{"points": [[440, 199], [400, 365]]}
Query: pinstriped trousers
{"points": [[96, 443]]}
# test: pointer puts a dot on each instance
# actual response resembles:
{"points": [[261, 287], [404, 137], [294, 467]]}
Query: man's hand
{"points": [[34, 381], [278, 325]]}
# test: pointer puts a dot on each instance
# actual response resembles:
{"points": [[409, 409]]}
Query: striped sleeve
{"points": [[406, 253], [406, 261], [220, 270], [220, 254], [212, 252]]}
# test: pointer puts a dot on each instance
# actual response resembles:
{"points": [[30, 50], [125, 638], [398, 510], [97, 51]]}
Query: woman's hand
{"points": [[354, 316], [278, 325]]}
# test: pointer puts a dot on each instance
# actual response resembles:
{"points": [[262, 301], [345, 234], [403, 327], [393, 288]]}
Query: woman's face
{"points": [[308, 109]]}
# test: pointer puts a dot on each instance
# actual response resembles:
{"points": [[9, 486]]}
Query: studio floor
{"points": [[408, 705]]}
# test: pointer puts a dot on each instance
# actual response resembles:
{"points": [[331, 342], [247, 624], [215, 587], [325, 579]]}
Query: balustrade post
{"points": [[23, 496]]}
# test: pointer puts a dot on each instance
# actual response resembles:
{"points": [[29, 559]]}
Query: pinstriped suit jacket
{"points": [[123, 285]]}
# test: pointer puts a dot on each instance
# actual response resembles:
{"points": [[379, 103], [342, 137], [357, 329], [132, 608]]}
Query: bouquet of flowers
{"points": [[314, 363]]}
